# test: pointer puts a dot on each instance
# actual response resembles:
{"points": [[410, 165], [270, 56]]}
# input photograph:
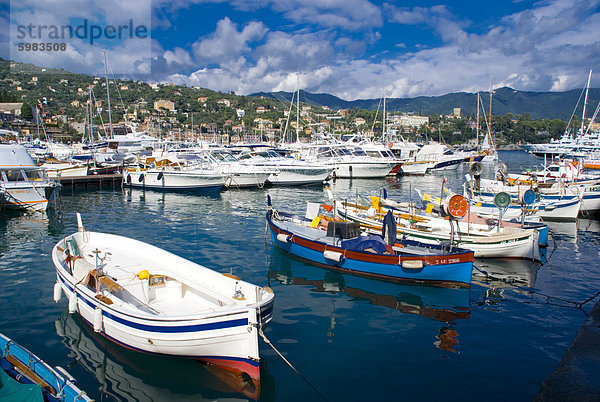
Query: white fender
{"points": [[282, 237], [73, 303], [98, 319], [333, 255], [79, 222], [57, 292], [412, 264]]}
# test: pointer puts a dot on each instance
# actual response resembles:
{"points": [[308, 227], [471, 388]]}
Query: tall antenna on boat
{"points": [[108, 95], [585, 101]]}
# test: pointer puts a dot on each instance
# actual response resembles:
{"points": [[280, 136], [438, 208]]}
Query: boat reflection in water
{"points": [[436, 303], [497, 275], [127, 375], [563, 231]]}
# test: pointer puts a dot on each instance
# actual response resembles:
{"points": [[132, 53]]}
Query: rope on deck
{"points": [[267, 341]]}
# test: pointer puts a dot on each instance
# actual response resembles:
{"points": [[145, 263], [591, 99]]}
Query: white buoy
{"points": [[73, 303], [57, 292], [333, 255], [371, 212], [98, 320], [282, 237]]}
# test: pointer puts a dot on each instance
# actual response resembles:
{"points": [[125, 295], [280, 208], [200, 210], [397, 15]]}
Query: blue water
{"points": [[351, 338]]}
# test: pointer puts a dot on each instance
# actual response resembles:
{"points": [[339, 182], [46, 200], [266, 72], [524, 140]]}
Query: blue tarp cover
{"points": [[362, 243]]}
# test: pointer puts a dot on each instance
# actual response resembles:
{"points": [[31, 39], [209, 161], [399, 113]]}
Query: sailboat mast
{"points": [[491, 90], [108, 95], [585, 100], [298, 115], [477, 129], [91, 122], [383, 129]]}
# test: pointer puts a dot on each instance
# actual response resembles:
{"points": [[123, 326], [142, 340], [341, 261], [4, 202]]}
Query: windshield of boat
{"points": [[343, 151], [13, 175], [359, 152], [325, 152], [223, 156]]}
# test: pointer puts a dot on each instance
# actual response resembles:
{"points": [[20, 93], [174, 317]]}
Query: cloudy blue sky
{"points": [[349, 48]]}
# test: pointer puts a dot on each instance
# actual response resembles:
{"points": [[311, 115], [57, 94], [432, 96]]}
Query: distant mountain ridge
{"points": [[548, 105]]}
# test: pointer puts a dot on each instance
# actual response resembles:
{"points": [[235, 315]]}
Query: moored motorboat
{"points": [[23, 184], [26, 377], [153, 301], [340, 246], [174, 178]]}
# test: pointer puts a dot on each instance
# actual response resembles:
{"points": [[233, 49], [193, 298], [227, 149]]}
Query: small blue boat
{"points": [[25, 377], [340, 246]]}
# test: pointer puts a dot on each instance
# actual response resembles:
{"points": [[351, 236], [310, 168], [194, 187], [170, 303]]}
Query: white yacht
{"points": [[351, 161], [290, 171], [23, 184]]}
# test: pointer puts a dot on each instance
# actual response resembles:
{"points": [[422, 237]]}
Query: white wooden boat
{"points": [[125, 376], [23, 184], [587, 190], [486, 240], [57, 170], [150, 300], [560, 210]]}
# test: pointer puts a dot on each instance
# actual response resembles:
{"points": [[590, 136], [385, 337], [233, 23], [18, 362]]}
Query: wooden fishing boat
{"points": [[26, 377], [588, 191], [150, 300], [340, 246], [123, 375], [487, 240]]}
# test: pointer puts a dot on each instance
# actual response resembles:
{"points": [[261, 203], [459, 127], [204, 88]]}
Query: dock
{"points": [[96, 180]]}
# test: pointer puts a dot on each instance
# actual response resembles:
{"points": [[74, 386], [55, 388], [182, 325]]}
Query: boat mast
{"points": [[298, 113], [585, 101], [91, 110], [477, 129], [108, 95], [383, 129], [491, 90]]}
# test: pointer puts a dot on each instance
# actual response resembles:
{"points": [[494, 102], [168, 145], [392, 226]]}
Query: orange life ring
{"points": [[457, 206], [391, 144]]}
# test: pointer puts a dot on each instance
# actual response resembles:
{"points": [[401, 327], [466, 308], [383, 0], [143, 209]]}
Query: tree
{"points": [[26, 113]]}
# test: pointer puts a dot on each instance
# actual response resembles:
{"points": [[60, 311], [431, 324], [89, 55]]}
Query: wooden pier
{"points": [[96, 180]]}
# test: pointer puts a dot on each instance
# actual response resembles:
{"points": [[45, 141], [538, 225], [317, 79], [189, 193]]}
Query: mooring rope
{"points": [[578, 305], [268, 342]]}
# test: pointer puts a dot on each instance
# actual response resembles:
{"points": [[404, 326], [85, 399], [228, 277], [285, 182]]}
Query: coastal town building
{"points": [[164, 104]]}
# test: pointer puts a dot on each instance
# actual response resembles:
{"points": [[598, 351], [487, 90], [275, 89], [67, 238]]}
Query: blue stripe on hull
{"points": [[159, 328], [458, 272]]}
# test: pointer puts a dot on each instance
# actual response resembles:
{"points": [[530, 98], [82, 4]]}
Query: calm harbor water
{"points": [[351, 338]]}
